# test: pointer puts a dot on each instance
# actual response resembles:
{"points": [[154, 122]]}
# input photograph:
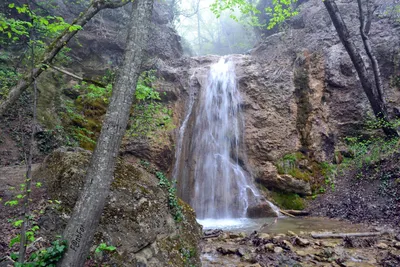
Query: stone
{"points": [[264, 236], [226, 250], [269, 247], [263, 210], [285, 183], [287, 245], [242, 251], [327, 244], [207, 250], [291, 233], [140, 210], [278, 250], [302, 242], [381, 245], [301, 253], [397, 245], [250, 258], [397, 238], [237, 235]]}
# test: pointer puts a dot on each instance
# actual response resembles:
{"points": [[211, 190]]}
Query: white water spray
{"points": [[222, 188]]}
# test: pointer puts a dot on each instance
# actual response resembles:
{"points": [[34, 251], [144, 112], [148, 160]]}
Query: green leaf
{"points": [[17, 223], [15, 240]]}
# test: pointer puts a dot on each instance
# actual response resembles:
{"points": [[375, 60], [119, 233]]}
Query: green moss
{"points": [[289, 164], [288, 201], [304, 107]]}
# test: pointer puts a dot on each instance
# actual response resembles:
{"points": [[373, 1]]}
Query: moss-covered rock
{"points": [[288, 201], [137, 219]]}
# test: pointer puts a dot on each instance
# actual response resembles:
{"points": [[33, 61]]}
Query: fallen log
{"points": [[286, 213], [297, 212], [343, 235]]}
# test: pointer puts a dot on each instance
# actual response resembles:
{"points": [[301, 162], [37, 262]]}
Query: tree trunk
{"points": [[378, 106], [53, 49], [87, 212], [364, 21]]}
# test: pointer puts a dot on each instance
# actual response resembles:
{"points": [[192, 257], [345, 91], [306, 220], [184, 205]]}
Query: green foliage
{"points": [[47, 257], [289, 165], [288, 200], [173, 202], [103, 247], [280, 11], [187, 254], [12, 30], [149, 114], [244, 7], [329, 172]]}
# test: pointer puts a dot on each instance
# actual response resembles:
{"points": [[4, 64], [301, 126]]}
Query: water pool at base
{"points": [[279, 225]]}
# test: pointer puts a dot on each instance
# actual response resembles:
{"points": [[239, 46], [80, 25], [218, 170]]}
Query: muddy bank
{"points": [[370, 194]]}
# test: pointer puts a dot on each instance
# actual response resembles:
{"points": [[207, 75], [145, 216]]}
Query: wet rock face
{"points": [[136, 218], [300, 91], [261, 211], [102, 41]]}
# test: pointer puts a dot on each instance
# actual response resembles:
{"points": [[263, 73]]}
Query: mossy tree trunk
{"points": [[54, 48], [373, 91], [87, 212]]}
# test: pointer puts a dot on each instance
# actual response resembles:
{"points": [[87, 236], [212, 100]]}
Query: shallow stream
{"points": [[281, 225]]}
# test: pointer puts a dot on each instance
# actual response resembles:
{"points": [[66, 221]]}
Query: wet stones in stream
{"points": [[289, 249]]}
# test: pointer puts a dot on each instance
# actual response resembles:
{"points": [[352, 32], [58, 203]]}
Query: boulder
{"points": [[263, 210], [137, 218], [285, 183]]}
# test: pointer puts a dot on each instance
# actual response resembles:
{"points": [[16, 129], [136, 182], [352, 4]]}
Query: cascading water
{"points": [[221, 187], [210, 152]]}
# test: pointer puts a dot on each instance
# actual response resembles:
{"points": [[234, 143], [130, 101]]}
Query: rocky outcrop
{"points": [[136, 219], [300, 91], [101, 44]]}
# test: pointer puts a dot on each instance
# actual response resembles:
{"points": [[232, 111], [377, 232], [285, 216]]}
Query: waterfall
{"points": [[222, 188], [210, 156]]}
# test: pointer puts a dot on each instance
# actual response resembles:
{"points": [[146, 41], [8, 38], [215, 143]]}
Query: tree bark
{"points": [[87, 212], [53, 49], [378, 106], [364, 21]]}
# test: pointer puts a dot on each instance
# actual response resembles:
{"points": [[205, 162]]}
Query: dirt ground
{"points": [[374, 198]]}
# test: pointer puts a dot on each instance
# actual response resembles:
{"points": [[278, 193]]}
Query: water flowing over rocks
{"points": [[299, 93]]}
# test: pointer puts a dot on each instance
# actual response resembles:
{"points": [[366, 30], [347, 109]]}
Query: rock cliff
{"points": [[136, 219], [300, 92]]}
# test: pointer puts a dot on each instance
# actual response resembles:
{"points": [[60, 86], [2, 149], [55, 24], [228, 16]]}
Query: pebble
{"points": [[269, 246], [381, 246], [278, 250], [290, 233], [398, 237], [288, 245], [302, 242], [301, 253], [397, 245], [237, 235], [327, 244], [264, 236]]}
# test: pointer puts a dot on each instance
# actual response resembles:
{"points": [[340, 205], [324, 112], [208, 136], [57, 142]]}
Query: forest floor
{"points": [[370, 195]]}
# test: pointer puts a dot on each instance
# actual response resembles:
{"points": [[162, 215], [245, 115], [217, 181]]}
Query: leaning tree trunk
{"points": [[364, 21], [53, 49], [377, 104], [87, 212]]}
